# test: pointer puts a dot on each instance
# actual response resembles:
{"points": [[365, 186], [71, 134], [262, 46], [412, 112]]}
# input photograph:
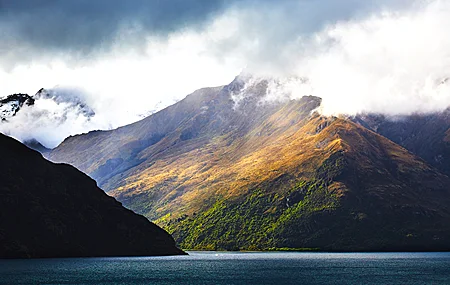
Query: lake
{"points": [[235, 268]]}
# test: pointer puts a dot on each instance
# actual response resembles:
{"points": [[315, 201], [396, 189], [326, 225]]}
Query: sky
{"points": [[126, 59]]}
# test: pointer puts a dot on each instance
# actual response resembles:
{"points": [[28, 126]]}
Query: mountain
{"points": [[12, 104], [231, 168], [49, 210], [206, 114], [45, 116], [426, 135]]}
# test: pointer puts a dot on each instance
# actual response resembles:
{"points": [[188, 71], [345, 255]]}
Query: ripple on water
{"points": [[235, 268]]}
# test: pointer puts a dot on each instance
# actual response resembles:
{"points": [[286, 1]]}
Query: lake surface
{"points": [[235, 268]]}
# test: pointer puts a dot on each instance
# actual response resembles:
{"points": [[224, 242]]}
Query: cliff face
{"points": [[49, 210]]}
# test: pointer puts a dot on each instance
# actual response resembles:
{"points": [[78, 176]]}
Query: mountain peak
{"points": [[34, 117], [10, 105]]}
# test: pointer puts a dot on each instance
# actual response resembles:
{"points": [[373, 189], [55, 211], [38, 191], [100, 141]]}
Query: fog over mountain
{"points": [[48, 116], [133, 58]]}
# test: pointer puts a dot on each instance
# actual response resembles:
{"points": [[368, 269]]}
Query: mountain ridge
{"points": [[426, 135]]}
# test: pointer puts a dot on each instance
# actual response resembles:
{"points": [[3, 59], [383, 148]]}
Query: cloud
{"points": [[120, 88], [85, 28], [81, 30], [270, 34], [131, 58], [394, 63], [394, 59], [53, 116]]}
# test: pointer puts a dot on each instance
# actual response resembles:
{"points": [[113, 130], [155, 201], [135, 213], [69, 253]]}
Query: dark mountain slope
{"points": [[49, 210], [424, 135], [37, 146]]}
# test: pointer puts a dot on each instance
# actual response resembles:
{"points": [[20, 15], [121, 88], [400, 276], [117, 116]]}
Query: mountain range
{"points": [[228, 168]]}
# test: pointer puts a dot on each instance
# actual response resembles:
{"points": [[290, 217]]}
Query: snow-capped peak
{"points": [[10, 105], [47, 117]]}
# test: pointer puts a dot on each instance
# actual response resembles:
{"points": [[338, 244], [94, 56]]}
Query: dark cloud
{"points": [[353, 52], [272, 34], [85, 26], [85, 22], [31, 29]]}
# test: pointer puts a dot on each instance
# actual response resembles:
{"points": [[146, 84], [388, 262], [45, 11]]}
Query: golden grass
{"points": [[193, 180]]}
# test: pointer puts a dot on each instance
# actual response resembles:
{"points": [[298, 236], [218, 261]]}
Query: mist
{"points": [[389, 57], [392, 61]]}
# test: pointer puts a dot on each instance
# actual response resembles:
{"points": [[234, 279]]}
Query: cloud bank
{"points": [[393, 61], [84, 28], [131, 58]]}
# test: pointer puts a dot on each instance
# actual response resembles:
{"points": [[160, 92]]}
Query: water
{"points": [[235, 268]]}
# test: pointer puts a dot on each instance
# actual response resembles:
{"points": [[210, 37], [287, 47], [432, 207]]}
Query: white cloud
{"points": [[394, 63], [121, 86], [360, 56], [395, 60]]}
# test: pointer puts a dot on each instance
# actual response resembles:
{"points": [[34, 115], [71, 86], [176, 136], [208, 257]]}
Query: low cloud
{"points": [[394, 60], [393, 63], [53, 116]]}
